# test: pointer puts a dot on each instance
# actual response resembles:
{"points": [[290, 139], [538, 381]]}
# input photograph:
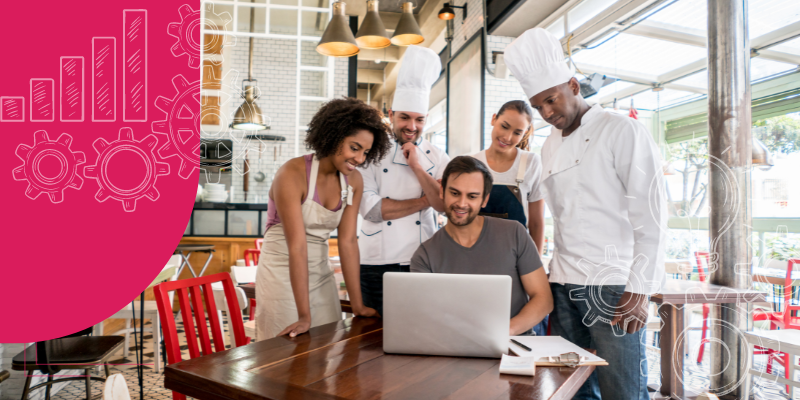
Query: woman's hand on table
{"points": [[365, 311], [298, 328]]}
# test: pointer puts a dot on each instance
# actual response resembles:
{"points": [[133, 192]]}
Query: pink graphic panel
{"points": [[72, 89], [104, 79], [12, 109], [42, 100], [134, 65]]}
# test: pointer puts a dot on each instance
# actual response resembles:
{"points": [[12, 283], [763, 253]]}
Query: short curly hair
{"points": [[340, 118]]}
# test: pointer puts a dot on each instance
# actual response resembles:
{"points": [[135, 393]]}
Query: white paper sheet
{"points": [[517, 365], [550, 346]]}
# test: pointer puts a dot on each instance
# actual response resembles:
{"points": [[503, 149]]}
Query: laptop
{"points": [[446, 314]]}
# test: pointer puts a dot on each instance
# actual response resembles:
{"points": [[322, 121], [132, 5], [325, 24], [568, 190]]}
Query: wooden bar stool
{"points": [[75, 351]]}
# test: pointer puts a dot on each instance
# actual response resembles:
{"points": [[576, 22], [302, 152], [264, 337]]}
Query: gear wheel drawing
{"points": [[612, 267], [182, 125], [186, 32], [38, 182], [126, 143]]}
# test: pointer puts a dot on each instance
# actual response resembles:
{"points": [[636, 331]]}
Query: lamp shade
{"points": [[248, 116], [407, 32], [372, 34], [338, 40], [447, 12]]}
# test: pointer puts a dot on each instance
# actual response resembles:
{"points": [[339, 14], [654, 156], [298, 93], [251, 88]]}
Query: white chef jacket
{"points": [[395, 241], [604, 187]]}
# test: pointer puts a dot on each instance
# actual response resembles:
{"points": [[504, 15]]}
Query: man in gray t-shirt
{"points": [[473, 244]]}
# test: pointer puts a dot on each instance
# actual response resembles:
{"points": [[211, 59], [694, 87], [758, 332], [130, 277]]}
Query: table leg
{"points": [[141, 342], [210, 256], [184, 260], [671, 363]]}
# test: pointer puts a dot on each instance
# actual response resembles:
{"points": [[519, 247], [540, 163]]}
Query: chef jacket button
{"points": [[430, 173], [550, 172], [385, 170], [389, 223], [418, 222], [587, 140], [428, 152], [576, 161], [387, 197]]}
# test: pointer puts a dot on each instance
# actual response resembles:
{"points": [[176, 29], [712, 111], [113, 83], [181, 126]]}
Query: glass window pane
{"points": [[691, 15], [316, 3], [640, 55], [314, 83], [219, 17], [243, 23], [307, 111], [585, 11], [651, 100], [698, 80], [769, 15], [610, 91], [314, 23], [762, 69], [243, 223], [209, 222], [557, 28], [791, 47], [283, 21], [284, 2], [310, 56]]}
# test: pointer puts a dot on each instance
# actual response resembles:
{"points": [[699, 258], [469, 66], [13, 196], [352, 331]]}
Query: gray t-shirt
{"points": [[503, 248]]}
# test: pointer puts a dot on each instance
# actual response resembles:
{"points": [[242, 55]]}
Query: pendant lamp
{"points": [[407, 32], [338, 40], [372, 34], [761, 155], [248, 116]]}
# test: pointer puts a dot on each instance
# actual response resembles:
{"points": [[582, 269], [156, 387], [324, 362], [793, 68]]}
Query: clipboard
{"points": [[544, 347]]}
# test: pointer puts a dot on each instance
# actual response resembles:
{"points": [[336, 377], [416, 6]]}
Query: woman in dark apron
{"points": [[516, 172]]}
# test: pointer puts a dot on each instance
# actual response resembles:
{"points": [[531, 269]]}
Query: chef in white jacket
{"points": [[401, 193], [602, 181]]}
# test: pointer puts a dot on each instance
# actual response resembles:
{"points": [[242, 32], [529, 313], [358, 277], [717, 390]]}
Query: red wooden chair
{"points": [[251, 257], [191, 294], [780, 319], [702, 259]]}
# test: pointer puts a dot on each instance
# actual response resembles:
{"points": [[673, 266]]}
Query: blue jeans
{"points": [[579, 319], [372, 283]]}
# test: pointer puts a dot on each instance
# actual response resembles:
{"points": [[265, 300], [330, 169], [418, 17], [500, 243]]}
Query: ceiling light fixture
{"points": [[248, 116], [372, 34], [338, 40], [447, 13], [407, 32]]}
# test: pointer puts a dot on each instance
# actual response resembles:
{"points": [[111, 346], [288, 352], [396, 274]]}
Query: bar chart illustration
{"points": [[104, 79], [12, 109], [72, 75], [134, 72], [42, 100]]}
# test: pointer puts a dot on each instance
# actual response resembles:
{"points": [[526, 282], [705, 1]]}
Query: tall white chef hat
{"points": [[537, 61], [421, 67]]}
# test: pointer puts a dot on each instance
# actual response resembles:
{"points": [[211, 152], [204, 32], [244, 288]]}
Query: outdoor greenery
{"points": [[783, 248], [780, 134]]}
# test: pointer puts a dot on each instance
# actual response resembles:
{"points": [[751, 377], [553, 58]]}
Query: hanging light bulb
{"points": [[407, 32], [338, 40], [447, 12], [372, 34]]}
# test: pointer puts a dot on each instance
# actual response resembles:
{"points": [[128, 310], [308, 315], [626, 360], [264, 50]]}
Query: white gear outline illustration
{"points": [[126, 143], [225, 97], [190, 22], [178, 128], [611, 267], [32, 157]]}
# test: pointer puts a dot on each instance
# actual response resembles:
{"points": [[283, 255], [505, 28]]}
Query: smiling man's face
{"points": [[407, 126]]}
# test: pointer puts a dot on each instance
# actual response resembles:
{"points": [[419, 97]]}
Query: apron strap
{"points": [[312, 180], [347, 190], [523, 166]]}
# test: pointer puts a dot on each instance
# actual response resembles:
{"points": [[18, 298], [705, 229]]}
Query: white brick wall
{"points": [[12, 388], [498, 91], [275, 68], [473, 23]]}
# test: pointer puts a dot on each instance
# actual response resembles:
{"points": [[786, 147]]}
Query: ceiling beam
{"points": [[389, 54], [628, 91], [686, 88], [601, 23], [776, 36], [683, 71], [628, 76], [370, 75]]}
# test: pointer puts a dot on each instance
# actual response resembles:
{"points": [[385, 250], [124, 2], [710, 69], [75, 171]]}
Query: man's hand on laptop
{"points": [[631, 313], [297, 328]]}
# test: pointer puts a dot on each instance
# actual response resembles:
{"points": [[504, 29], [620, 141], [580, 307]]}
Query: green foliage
{"points": [[783, 248], [780, 134]]}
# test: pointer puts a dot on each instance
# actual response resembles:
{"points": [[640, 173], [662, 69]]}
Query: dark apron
{"points": [[505, 201]]}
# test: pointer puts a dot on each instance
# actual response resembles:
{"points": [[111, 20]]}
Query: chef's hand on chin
{"points": [[298, 328], [631, 313], [365, 311], [410, 152]]}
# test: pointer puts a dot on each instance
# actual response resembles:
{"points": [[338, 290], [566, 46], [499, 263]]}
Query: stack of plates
{"points": [[215, 193]]}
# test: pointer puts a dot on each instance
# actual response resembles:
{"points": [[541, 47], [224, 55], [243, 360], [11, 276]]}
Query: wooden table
{"points": [[345, 360], [774, 276], [676, 293]]}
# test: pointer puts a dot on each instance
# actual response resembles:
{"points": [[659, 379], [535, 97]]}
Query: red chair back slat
{"points": [[702, 258], [199, 299], [251, 257], [788, 308]]}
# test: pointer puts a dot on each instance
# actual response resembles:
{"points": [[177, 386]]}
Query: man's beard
{"points": [[450, 212], [401, 139]]}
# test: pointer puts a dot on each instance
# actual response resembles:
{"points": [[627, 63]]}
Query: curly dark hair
{"points": [[340, 118]]}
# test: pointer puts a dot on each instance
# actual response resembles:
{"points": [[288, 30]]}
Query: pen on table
{"points": [[520, 345]]}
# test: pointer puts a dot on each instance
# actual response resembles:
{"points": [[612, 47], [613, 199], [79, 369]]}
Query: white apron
{"points": [[276, 305]]}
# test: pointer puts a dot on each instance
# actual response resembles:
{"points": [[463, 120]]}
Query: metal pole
{"points": [[730, 160]]}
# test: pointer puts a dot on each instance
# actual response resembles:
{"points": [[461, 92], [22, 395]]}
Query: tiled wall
{"points": [[275, 68], [498, 91], [11, 389]]}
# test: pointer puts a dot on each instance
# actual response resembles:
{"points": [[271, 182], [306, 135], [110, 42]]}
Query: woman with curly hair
{"points": [[310, 197]]}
